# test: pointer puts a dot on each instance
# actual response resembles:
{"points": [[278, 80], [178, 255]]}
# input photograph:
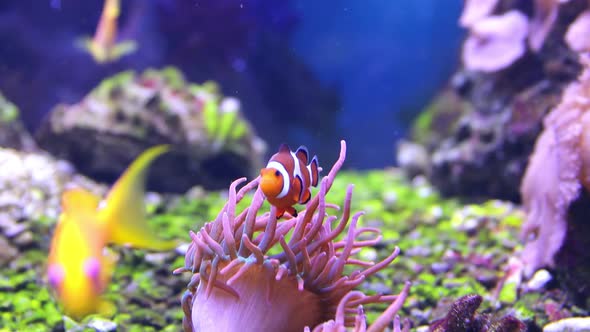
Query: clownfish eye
{"points": [[277, 173]]}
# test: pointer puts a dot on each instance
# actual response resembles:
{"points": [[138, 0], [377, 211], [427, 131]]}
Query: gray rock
{"points": [[7, 252], [212, 143], [32, 184], [12, 132], [102, 325]]}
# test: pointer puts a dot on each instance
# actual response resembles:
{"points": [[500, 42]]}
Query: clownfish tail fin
{"points": [[314, 171], [302, 154]]}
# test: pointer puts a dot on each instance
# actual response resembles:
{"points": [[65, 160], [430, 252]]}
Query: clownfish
{"points": [[103, 46], [78, 271], [287, 179]]}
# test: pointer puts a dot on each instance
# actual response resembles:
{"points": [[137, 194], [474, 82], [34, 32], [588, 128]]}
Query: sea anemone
{"points": [[256, 273]]}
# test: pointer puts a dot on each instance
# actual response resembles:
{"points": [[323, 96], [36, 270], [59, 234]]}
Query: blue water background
{"points": [[385, 58], [388, 58]]}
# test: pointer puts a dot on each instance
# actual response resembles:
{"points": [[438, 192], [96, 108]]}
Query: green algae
{"points": [[445, 247], [438, 119], [8, 111], [107, 86]]}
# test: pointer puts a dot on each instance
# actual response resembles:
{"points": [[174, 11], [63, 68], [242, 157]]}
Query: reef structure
{"points": [[212, 141], [517, 59], [253, 273], [12, 131], [555, 190]]}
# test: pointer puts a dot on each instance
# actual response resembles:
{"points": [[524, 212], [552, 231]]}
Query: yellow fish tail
{"points": [[122, 49], [124, 209]]}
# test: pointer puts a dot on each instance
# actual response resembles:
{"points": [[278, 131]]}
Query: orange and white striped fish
{"points": [[288, 178]]}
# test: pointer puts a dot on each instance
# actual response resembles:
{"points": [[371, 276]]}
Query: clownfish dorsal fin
{"points": [[302, 154], [284, 148], [314, 171]]}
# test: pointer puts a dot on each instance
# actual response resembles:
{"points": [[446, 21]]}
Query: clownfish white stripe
{"points": [[286, 183], [297, 170]]}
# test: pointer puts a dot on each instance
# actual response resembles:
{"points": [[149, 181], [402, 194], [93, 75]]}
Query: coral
{"points": [[498, 37], [577, 34], [486, 144], [495, 42], [555, 193], [462, 317], [501, 109], [128, 113], [240, 273], [438, 119], [556, 172], [476, 10]]}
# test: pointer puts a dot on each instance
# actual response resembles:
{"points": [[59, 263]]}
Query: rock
{"points": [[12, 132], [24, 239], [182, 249], [577, 324], [412, 158], [102, 325], [539, 280], [7, 252], [212, 144], [440, 267], [158, 258], [32, 184], [15, 230]]}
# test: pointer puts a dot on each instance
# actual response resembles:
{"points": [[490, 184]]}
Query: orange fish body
{"points": [[287, 179], [78, 270]]}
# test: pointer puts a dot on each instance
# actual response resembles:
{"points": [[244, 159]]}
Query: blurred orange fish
{"points": [[103, 46], [78, 270]]}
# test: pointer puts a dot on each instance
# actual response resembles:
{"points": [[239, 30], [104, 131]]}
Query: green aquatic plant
{"points": [[8, 111], [108, 87]]}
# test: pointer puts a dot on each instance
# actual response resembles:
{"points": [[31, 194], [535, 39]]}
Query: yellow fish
{"points": [[103, 46], [77, 270]]}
